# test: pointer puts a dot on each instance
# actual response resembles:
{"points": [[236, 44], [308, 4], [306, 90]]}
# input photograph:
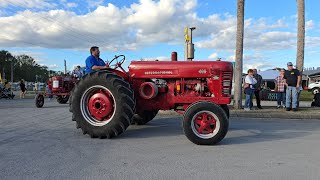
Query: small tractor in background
{"points": [[60, 87], [105, 103]]}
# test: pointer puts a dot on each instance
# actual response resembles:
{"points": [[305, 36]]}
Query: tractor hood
{"points": [[177, 69]]}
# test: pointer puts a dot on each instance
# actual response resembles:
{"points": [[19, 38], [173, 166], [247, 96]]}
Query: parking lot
{"points": [[45, 144]]}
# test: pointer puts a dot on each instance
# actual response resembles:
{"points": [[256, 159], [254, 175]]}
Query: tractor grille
{"points": [[226, 82]]}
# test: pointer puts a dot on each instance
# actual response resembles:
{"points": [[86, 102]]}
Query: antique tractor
{"points": [[60, 87], [105, 103]]}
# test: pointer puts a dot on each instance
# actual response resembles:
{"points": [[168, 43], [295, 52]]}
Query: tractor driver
{"points": [[93, 62]]}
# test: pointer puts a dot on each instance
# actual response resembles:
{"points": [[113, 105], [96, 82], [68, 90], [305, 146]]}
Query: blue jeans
{"points": [[281, 96], [249, 95], [292, 92]]}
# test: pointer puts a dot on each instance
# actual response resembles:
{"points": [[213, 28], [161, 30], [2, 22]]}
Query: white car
{"points": [[314, 87]]}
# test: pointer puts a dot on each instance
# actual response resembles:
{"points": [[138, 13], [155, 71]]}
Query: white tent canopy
{"points": [[269, 74]]}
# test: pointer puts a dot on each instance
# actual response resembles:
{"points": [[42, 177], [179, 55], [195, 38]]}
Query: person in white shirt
{"points": [[249, 89], [36, 85]]}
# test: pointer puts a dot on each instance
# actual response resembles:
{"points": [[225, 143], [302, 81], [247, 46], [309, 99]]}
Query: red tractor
{"points": [[60, 87], [105, 103]]}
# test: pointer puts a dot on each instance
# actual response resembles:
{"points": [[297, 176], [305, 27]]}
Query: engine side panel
{"points": [[176, 69]]}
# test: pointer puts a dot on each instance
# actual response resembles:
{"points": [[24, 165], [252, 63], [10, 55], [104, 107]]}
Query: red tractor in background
{"points": [[105, 103], [60, 87]]}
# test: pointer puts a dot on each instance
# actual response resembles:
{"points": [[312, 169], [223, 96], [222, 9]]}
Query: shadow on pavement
{"points": [[241, 131], [170, 126], [263, 130]]}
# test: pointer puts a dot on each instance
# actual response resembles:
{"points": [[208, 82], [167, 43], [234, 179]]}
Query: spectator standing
{"points": [[22, 89], [249, 83], [257, 87], [281, 89], [292, 78], [36, 85]]}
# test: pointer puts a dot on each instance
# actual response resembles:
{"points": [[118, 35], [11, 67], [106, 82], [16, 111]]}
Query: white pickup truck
{"points": [[314, 87]]}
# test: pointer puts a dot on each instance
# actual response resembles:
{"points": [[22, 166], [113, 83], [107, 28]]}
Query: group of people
{"points": [[288, 87], [252, 86]]}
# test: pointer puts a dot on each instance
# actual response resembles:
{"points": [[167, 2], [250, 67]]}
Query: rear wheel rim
{"points": [[205, 124], [97, 105]]}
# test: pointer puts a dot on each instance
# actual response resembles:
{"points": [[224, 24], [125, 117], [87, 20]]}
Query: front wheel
{"points": [[102, 105], [205, 123], [39, 100], [226, 109]]}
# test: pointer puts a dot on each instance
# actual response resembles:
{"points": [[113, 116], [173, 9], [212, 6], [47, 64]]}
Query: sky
{"points": [[54, 30]]}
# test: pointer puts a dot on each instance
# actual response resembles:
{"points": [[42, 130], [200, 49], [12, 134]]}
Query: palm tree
{"points": [[237, 101], [300, 35]]}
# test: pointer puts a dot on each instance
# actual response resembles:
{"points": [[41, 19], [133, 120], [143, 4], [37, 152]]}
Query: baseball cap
{"points": [[289, 64]]}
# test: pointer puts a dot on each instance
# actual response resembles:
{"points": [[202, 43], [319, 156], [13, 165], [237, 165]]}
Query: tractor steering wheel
{"points": [[117, 62]]}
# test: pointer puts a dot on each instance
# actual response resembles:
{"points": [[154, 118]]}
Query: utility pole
{"points": [[300, 35], [237, 100], [65, 67]]}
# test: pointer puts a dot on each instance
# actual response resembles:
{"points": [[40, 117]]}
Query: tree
{"points": [[237, 100], [24, 67], [6, 60], [300, 35]]}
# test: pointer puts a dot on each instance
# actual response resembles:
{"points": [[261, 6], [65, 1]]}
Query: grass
{"points": [[306, 96]]}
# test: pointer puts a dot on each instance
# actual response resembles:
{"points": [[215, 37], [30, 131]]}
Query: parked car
{"points": [[314, 87]]}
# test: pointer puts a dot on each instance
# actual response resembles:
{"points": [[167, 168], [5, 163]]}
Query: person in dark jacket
{"points": [[22, 89], [257, 87]]}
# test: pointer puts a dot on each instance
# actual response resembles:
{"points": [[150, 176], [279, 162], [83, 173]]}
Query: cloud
{"points": [[257, 36], [141, 24], [71, 5], [256, 61], [94, 3], [309, 25], [213, 56], [38, 4], [160, 58], [52, 66], [253, 61]]}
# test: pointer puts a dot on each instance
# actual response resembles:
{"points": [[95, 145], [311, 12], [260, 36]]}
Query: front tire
{"points": [[226, 109], [205, 123], [39, 100], [102, 105]]}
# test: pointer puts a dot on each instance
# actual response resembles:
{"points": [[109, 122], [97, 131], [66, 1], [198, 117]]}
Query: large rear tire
{"points": [[39, 100], [102, 105], [62, 99], [205, 123], [145, 117]]}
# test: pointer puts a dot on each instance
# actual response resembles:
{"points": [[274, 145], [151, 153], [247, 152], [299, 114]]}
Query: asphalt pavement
{"points": [[44, 144]]}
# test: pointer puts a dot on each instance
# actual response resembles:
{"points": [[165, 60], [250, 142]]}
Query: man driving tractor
{"points": [[94, 62]]}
